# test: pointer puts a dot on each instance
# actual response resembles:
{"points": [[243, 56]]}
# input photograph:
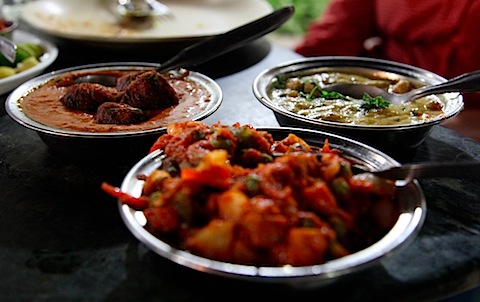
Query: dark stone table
{"points": [[62, 238]]}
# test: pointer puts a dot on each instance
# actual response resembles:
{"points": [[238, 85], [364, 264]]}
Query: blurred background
{"points": [[305, 11]]}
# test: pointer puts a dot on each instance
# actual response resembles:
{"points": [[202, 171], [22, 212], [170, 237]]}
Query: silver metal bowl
{"points": [[394, 139], [412, 208], [101, 145]]}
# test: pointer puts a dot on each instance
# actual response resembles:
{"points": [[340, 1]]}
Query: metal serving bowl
{"points": [[101, 145], [412, 209], [393, 139]]}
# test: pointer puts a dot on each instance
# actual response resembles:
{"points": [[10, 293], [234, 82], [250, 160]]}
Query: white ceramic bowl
{"points": [[51, 52]]}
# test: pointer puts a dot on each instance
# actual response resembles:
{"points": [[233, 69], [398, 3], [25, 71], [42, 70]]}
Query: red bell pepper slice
{"points": [[214, 176], [137, 203]]}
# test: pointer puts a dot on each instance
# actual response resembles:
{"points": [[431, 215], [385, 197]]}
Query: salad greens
{"points": [[27, 56]]}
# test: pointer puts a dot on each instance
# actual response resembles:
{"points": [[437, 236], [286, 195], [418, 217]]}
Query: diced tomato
{"points": [[214, 176], [319, 198], [263, 230]]}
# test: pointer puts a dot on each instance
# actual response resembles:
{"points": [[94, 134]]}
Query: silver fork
{"points": [[143, 8]]}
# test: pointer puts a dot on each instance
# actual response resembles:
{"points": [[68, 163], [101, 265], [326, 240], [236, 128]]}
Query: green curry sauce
{"points": [[303, 94]]}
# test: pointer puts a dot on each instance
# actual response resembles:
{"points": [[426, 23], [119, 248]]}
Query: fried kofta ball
{"points": [[149, 90], [126, 79], [88, 96], [115, 113]]}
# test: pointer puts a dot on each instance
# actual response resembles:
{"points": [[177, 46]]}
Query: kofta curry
{"points": [[141, 100]]}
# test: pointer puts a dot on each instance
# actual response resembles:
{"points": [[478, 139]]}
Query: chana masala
{"points": [[234, 194]]}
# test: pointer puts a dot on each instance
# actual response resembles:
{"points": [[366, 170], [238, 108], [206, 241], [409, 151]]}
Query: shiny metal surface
{"points": [[395, 138], [413, 211], [452, 169], [8, 49], [217, 45]]}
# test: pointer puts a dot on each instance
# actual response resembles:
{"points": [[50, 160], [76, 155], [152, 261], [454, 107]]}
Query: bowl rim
{"points": [[10, 26], [404, 231], [263, 79], [13, 109]]}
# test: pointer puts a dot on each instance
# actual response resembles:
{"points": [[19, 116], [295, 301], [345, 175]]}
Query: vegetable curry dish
{"points": [[303, 94], [235, 194]]}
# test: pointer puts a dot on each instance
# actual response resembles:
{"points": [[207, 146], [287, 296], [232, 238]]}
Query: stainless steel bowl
{"points": [[396, 140], [413, 211], [101, 145]]}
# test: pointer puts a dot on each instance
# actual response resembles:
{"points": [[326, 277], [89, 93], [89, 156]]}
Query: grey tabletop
{"points": [[62, 238]]}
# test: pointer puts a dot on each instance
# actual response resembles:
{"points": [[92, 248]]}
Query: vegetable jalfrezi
{"points": [[233, 193]]}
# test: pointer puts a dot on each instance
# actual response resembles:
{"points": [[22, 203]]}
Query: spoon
{"points": [[211, 47], [407, 172], [467, 82], [8, 49]]}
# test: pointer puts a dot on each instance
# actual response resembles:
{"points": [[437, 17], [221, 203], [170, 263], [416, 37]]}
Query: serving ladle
{"points": [[212, 47], [467, 82]]}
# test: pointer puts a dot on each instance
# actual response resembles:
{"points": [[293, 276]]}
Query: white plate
{"points": [[51, 52], [97, 20]]}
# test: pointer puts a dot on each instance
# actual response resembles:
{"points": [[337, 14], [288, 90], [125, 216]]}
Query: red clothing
{"points": [[436, 35]]}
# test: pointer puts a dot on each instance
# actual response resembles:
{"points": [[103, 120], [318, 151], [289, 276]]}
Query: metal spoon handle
{"points": [[467, 82], [8, 49], [223, 43], [430, 170]]}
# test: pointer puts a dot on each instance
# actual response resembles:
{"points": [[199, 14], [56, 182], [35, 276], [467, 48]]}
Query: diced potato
{"points": [[306, 246], [402, 86], [232, 204], [214, 240], [153, 180], [214, 158], [263, 230]]}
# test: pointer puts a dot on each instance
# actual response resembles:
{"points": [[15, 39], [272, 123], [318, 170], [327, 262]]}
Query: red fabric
{"points": [[437, 35]]}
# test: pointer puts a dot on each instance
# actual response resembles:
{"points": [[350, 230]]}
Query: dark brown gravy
{"points": [[42, 105]]}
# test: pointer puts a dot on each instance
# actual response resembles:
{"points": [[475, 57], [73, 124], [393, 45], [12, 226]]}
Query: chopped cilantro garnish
{"points": [[328, 95], [310, 95], [377, 102], [332, 95]]}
